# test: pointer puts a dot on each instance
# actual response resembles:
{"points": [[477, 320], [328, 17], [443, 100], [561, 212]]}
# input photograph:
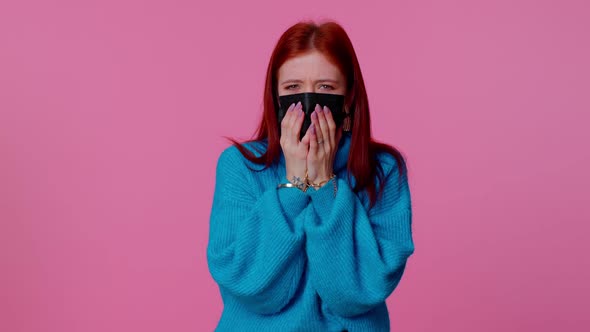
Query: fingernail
{"points": [[314, 114], [298, 104], [300, 113], [326, 110]]}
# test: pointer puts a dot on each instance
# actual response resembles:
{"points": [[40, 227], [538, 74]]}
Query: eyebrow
{"points": [[320, 80]]}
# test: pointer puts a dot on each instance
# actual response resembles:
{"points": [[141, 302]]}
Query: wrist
{"points": [[320, 177], [298, 182], [292, 173], [292, 176], [319, 182]]}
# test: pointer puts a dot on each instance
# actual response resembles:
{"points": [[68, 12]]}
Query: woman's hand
{"points": [[295, 151], [323, 144]]}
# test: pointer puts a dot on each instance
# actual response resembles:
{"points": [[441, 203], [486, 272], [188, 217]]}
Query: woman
{"points": [[310, 233]]}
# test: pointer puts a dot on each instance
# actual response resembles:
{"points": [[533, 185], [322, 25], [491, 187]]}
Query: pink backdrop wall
{"points": [[111, 117]]}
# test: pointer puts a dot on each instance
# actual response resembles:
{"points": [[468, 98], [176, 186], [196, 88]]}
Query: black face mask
{"points": [[308, 101]]}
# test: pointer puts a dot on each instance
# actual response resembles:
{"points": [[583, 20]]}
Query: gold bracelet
{"points": [[316, 186]]}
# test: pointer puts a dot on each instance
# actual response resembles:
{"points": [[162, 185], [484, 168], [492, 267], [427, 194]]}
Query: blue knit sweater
{"points": [[285, 260]]}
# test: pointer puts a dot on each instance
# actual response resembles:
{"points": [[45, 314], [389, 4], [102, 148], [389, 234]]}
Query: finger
{"points": [[331, 125], [292, 119], [318, 133], [286, 119], [297, 123], [313, 139], [326, 135], [304, 145], [287, 116]]}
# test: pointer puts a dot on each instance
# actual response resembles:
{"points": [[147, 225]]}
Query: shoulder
{"points": [[390, 164], [232, 156], [392, 181]]}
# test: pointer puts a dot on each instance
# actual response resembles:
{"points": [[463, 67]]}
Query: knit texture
{"points": [[285, 260]]}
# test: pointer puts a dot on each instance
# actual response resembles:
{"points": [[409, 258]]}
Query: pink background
{"points": [[111, 121]]}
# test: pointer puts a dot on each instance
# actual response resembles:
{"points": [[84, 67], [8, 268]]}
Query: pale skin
{"points": [[315, 153]]}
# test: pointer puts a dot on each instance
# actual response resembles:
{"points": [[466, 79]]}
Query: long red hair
{"points": [[330, 39]]}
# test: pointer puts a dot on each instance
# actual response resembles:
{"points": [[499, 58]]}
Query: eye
{"points": [[329, 86], [288, 87]]}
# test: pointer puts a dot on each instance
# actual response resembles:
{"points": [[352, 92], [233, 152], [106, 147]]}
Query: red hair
{"points": [[331, 40]]}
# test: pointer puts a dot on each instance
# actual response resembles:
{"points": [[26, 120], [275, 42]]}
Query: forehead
{"points": [[309, 65]]}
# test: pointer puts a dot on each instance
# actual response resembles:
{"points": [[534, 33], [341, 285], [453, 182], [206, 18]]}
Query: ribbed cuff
{"points": [[293, 200], [323, 199]]}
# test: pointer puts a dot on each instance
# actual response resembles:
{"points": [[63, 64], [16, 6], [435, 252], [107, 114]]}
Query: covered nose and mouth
{"points": [[308, 102]]}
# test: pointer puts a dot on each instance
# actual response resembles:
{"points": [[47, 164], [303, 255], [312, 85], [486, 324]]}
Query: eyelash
{"points": [[289, 86]]}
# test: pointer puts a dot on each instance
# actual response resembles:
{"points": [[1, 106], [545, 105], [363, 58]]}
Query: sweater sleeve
{"points": [[357, 257], [256, 241]]}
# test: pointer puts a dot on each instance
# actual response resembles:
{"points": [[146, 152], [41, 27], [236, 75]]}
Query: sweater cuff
{"points": [[323, 199], [292, 201]]}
